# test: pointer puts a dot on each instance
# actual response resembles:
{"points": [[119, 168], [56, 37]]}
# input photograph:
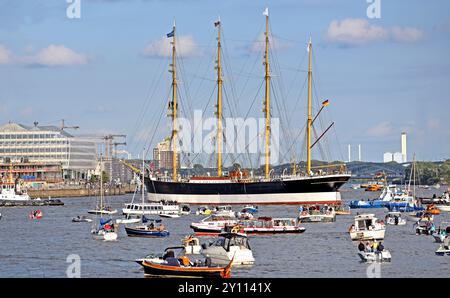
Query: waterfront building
{"points": [[163, 155], [48, 144], [34, 174]]}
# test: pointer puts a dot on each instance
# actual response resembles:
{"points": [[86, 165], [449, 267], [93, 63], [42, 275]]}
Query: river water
{"points": [[40, 248]]}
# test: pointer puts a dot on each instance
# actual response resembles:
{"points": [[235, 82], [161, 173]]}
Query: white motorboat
{"points": [[191, 245], [214, 224], [366, 227], [317, 214], [395, 218], [185, 210], [11, 192], [230, 246], [444, 248], [378, 256], [152, 208]]}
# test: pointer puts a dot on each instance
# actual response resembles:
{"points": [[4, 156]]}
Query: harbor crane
{"points": [[109, 144], [63, 125], [115, 147]]}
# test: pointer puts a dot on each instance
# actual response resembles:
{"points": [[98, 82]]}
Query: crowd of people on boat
{"points": [[370, 246]]}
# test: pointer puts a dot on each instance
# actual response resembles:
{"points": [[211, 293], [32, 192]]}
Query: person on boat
{"points": [[168, 254], [361, 246], [380, 247]]}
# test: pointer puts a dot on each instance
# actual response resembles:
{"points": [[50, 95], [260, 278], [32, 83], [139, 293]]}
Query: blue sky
{"points": [[382, 76]]}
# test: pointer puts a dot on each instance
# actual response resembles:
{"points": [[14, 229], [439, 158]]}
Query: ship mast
{"points": [[219, 102], [309, 124], [267, 97], [174, 108]]}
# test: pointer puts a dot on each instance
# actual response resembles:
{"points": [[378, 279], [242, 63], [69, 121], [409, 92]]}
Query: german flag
{"points": [[325, 103]]}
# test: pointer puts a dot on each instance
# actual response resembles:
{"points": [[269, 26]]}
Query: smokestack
{"points": [[359, 152], [404, 156], [349, 153]]}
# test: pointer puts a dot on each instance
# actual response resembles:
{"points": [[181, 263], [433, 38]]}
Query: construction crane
{"points": [[63, 125], [109, 144], [115, 147]]}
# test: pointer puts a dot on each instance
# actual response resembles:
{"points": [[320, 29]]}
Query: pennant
{"points": [[325, 103], [171, 33], [266, 12]]}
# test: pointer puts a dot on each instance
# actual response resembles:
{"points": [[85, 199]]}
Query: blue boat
{"points": [[250, 209], [150, 228], [367, 204]]}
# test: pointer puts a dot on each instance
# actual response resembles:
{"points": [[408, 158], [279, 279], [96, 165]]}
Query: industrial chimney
{"points": [[404, 157]]}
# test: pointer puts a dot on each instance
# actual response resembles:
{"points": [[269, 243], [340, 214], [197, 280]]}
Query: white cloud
{"points": [[406, 34], [53, 55], [56, 55], [6, 56], [356, 32], [276, 44], [382, 129], [186, 47]]}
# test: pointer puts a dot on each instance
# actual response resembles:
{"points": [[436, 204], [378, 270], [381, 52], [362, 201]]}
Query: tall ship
{"points": [[314, 185]]}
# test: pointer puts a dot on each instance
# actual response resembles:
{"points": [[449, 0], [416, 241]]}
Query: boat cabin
{"points": [[227, 240], [365, 222]]}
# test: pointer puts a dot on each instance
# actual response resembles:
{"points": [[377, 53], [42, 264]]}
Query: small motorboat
{"points": [[191, 245], [444, 248], [441, 233], [229, 246], [395, 218], [366, 227], [154, 229], [203, 210], [249, 209], [267, 225], [35, 214], [81, 218], [315, 214], [213, 224], [420, 215], [373, 251], [185, 210], [443, 207], [182, 266], [425, 227], [226, 210], [378, 256]]}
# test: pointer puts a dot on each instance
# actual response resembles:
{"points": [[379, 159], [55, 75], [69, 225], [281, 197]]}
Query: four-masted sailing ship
{"points": [[318, 187]]}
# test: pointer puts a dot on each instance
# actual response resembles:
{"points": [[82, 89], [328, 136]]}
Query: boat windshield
{"points": [[240, 242]]}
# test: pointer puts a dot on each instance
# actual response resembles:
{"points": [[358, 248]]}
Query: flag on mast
{"points": [[170, 34], [266, 12], [217, 23]]}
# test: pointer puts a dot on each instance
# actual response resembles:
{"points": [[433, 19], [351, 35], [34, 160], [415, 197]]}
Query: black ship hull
{"points": [[304, 190]]}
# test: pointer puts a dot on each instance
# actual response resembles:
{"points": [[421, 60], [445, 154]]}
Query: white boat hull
{"points": [[102, 212], [127, 220], [368, 235], [384, 256], [237, 199]]}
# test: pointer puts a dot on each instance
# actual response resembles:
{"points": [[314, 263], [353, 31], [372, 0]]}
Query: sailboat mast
{"points": [[267, 98], [101, 182], [219, 102], [309, 124], [174, 108], [143, 179]]}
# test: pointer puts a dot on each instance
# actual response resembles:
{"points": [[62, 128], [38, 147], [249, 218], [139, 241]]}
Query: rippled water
{"points": [[39, 248]]}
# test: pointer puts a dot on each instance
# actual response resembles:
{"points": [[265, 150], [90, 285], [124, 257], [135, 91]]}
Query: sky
{"points": [[107, 71]]}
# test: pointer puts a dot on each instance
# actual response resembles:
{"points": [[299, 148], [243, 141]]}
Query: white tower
{"points": [[404, 157]]}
